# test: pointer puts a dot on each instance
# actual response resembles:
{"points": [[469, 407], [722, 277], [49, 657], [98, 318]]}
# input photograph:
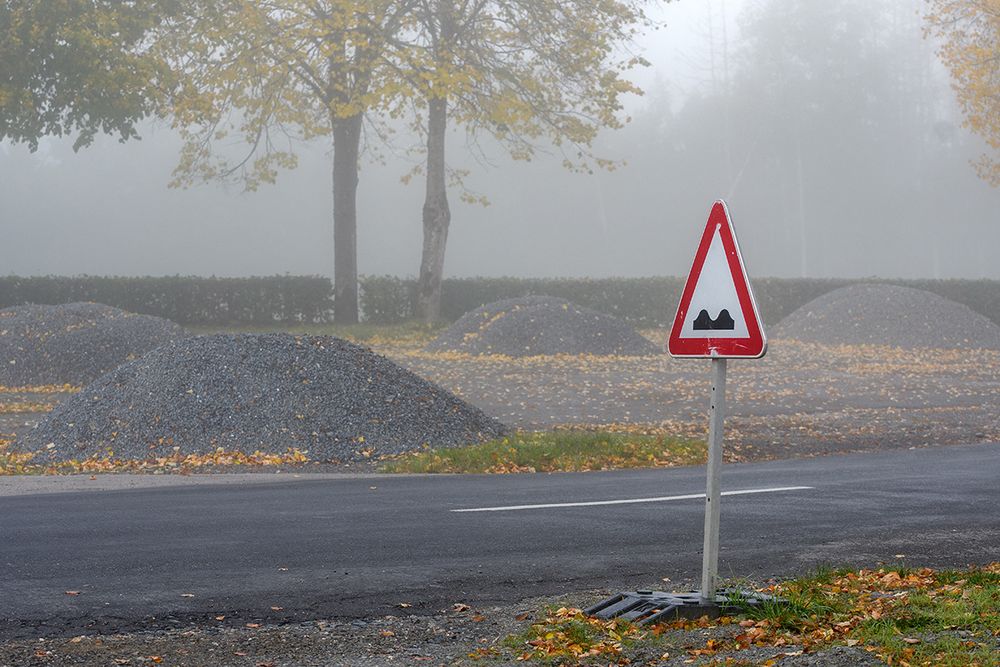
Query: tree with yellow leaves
{"points": [[970, 30], [78, 66], [525, 72], [276, 72]]}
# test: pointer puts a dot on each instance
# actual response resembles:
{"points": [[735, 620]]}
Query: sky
{"points": [[108, 211]]}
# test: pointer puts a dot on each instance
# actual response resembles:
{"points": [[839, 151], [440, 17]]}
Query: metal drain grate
{"points": [[650, 607]]}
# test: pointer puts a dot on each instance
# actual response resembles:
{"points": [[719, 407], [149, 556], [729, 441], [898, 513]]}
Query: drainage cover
{"points": [[650, 607]]}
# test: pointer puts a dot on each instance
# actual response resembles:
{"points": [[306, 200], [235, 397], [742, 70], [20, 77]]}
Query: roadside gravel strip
{"points": [[446, 638], [74, 343], [269, 393]]}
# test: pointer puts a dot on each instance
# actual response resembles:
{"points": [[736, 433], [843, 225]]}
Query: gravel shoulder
{"points": [[447, 637]]}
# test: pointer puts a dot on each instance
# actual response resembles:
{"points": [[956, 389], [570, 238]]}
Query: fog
{"points": [[831, 131]]}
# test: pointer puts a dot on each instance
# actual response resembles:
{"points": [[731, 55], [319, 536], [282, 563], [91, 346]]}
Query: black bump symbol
{"points": [[724, 322]]}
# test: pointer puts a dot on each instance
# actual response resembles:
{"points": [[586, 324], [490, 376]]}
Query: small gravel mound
{"points": [[540, 325], [266, 393], [74, 343], [889, 315]]}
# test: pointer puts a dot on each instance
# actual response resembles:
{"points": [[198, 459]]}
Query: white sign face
{"points": [[715, 310], [717, 315]]}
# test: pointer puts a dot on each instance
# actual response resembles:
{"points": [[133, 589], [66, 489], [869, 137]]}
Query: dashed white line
{"points": [[629, 501]]}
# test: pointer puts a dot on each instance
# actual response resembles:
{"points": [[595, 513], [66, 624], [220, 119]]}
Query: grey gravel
{"points": [[445, 638], [74, 343], [268, 392], [869, 314], [540, 325], [787, 656]]}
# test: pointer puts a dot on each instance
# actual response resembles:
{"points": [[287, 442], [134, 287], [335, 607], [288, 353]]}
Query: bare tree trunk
{"points": [[346, 147], [436, 214]]}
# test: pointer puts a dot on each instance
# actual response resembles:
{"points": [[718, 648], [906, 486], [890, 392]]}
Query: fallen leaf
{"points": [[405, 605], [911, 640], [277, 608], [253, 625], [388, 633], [72, 592], [220, 618], [155, 658], [187, 595], [458, 607]]}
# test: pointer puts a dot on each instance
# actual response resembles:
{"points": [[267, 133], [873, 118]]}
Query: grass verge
{"points": [[894, 615], [554, 451]]}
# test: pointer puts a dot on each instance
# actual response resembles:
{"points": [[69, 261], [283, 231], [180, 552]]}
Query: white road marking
{"points": [[630, 501]]}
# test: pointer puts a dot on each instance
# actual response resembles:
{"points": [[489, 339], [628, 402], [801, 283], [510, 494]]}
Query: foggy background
{"points": [[830, 128]]}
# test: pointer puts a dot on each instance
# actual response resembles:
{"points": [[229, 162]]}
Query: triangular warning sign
{"points": [[717, 316]]}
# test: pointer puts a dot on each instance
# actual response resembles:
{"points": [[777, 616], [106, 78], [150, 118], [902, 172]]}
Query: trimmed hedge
{"points": [[643, 302], [185, 299]]}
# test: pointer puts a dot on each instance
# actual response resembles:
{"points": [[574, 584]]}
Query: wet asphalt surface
{"points": [[164, 557]]}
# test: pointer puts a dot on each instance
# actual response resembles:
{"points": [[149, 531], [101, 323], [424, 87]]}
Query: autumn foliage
{"points": [[970, 30], [905, 617]]}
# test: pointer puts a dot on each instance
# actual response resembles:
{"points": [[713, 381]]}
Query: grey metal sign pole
{"points": [[717, 414]]}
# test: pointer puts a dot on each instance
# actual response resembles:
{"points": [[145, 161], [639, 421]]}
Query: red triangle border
{"points": [[752, 347]]}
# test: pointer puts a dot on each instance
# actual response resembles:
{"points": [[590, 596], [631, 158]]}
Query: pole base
{"points": [[650, 607]]}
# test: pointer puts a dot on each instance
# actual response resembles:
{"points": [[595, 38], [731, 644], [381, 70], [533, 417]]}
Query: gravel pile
{"points": [[269, 393], [540, 325], [74, 343], [889, 315]]}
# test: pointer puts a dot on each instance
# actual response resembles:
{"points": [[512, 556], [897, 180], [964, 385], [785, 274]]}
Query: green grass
{"points": [[554, 451], [949, 618], [905, 616]]}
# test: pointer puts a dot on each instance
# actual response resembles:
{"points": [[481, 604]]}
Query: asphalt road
{"points": [[309, 548]]}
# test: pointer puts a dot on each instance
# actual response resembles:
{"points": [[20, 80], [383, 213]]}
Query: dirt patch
{"points": [[800, 400]]}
